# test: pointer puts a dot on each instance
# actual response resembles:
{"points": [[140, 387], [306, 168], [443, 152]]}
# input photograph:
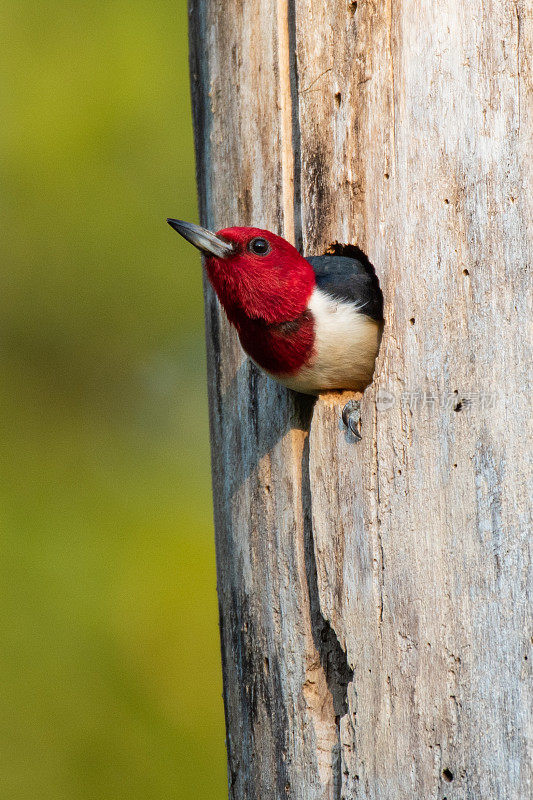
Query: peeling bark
{"points": [[374, 603]]}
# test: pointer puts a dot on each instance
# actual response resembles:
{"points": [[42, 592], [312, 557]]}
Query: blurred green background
{"points": [[109, 666]]}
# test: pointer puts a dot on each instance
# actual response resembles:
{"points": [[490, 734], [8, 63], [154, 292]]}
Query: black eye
{"points": [[259, 246]]}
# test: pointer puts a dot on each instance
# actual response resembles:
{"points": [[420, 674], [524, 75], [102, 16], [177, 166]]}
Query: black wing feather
{"points": [[346, 278]]}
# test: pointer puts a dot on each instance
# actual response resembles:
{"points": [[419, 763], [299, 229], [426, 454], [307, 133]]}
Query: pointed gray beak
{"points": [[203, 239]]}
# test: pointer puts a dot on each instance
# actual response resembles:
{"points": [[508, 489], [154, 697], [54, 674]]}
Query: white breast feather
{"points": [[346, 345]]}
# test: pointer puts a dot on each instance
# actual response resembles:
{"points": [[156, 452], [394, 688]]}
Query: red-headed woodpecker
{"points": [[314, 324]]}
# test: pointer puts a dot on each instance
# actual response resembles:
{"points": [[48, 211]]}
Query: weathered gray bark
{"points": [[373, 596]]}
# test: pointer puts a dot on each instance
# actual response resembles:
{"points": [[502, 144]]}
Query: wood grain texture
{"points": [[374, 606]]}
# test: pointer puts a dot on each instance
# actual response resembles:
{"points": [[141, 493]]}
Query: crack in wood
{"points": [[286, 119], [333, 659], [296, 135], [518, 76]]}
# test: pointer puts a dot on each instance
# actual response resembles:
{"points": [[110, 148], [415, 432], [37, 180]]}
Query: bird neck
{"points": [[279, 348]]}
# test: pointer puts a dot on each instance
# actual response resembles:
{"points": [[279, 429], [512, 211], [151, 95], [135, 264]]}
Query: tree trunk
{"points": [[373, 595]]}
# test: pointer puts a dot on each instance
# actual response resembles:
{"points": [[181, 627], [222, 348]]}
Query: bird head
{"points": [[256, 274]]}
